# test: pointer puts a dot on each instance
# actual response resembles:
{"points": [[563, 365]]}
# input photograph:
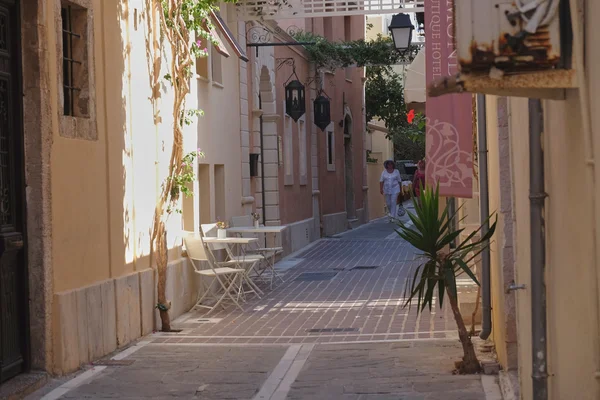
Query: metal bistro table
{"points": [[268, 252], [240, 230], [260, 229], [230, 242]]}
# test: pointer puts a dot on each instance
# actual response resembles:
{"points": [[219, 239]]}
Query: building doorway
{"points": [[14, 339], [348, 169]]}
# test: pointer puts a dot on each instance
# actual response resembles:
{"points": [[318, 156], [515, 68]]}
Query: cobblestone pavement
{"points": [[344, 336]]}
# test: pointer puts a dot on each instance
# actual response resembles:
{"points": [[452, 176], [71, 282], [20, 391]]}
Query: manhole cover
{"points": [[365, 267], [332, 330], [113, 363], [315, 276]]}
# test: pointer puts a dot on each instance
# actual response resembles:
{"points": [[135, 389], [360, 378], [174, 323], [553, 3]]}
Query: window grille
{"points": [[69, 62]]}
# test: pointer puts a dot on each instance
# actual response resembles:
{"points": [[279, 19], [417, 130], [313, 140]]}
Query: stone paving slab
{"points": [[161, 372], [376, 371], [410, 370], [366, 347], [354, 305]]}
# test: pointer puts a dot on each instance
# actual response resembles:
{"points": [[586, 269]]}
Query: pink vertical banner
{"points": [[449, 140]]}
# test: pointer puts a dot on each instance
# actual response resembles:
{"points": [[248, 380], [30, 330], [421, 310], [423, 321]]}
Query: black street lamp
{"points": [[295, 105], [322, 112], [401, 28]]}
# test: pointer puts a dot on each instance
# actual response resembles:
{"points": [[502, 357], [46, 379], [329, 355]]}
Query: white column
{"points": [[247, 200]]}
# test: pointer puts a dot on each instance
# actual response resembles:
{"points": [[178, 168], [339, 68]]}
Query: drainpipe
{"points": [[484, 210], [538, 252], [262, 165]]}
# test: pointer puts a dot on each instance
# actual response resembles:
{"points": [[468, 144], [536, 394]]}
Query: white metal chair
{"points": [[229, 279], [269, 253], [247, 262]]}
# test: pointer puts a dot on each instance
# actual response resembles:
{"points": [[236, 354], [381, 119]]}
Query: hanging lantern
{"points": [[322, 112], [401, 29], [295, 105]]}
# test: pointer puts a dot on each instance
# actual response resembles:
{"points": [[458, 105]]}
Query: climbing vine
{"points": [[363, 53], [177, 32]]}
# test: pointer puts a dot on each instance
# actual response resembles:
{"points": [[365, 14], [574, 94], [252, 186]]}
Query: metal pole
{"points": [[451, 203], [262, 163], [484, 209], [537, 196]]}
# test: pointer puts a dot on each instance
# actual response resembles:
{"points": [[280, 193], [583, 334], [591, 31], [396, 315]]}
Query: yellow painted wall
{"points": [[497, 280], [380, 144], [219, 132], [381, 149], [79, 192], [377, 21], [570, 268], [376, 199], [104, 191]]}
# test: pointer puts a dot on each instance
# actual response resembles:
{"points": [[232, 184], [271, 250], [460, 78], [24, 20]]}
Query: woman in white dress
{"points": [[390, 185]]}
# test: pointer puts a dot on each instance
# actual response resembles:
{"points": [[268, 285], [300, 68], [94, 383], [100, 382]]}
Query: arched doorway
{"points": [[348, 168]]}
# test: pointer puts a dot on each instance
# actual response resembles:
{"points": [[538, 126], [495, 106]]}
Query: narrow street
{"points": [[335, 329]]}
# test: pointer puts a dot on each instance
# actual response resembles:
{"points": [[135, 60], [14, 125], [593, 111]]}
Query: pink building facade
{"points": [[310, 180]]}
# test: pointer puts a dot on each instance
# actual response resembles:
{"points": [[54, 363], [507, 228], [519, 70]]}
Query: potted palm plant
{"points": [[436, 275]]}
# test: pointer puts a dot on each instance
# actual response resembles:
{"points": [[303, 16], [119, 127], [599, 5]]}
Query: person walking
{"points": [[419, 180], [389, 186]]}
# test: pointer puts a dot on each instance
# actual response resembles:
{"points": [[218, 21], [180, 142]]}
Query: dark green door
{"points": [[13, 275]]}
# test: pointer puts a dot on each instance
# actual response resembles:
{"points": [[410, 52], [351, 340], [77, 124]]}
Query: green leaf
{"points": [[467, 270], [429, 234], [449, 238], [441, 291]]}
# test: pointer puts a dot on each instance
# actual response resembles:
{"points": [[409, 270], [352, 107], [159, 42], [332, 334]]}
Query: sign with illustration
{"points": [[449, 140]]}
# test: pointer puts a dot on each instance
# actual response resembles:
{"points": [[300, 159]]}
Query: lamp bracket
{"points": [[261, 36], [285, 61]]}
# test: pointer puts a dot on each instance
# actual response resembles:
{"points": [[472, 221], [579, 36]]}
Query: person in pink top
{"points": [[419, 180]]}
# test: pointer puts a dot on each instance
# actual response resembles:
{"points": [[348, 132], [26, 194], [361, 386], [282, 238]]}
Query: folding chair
{"points": [[269, 253], [246, 262], [229, 279]]}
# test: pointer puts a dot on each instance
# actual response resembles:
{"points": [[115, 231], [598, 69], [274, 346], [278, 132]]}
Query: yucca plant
{"points": [[436, 275]]}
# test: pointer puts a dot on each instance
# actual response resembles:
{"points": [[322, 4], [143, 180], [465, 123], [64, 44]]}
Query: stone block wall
{"points": [[299, 235], [113, 313], [334, 223]]}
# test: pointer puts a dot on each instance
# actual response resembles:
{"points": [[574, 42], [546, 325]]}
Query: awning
{"points": [[414, 81], [228, 35]]}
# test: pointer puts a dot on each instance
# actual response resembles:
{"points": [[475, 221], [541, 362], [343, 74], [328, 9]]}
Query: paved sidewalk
{"points": [[409, 370], [340, 290], [416, 370], [336, 329]]}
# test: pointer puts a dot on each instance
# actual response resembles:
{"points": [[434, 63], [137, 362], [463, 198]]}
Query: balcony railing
{"points": [[249, 10]]}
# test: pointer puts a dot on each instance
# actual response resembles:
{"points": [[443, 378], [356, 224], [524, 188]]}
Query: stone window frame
{"points": [[203, 66], [288, 150], [330, 130], [302, 151], [216, 67], [74, 127]]}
